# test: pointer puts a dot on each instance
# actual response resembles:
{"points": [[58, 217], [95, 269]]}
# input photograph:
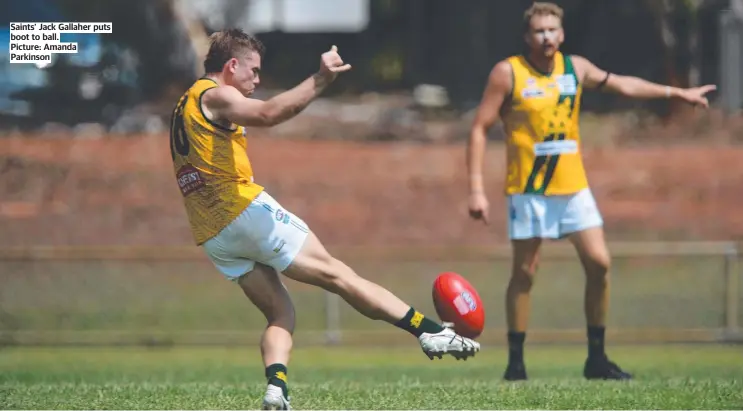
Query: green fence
{"points": [[661, 292]]}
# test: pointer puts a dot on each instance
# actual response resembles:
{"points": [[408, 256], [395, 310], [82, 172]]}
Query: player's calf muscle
{"points": [[265, 291], [281, 315]]}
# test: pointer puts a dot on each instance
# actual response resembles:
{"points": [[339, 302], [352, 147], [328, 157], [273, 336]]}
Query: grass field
{"points": [[111, 301], [667, 377]]}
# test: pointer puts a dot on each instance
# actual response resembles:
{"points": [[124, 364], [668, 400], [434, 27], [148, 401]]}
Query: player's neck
{"points": [[541, 62], [216, 77]]}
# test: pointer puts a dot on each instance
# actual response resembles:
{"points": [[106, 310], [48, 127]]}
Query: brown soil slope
{"points": [[122, 191]]}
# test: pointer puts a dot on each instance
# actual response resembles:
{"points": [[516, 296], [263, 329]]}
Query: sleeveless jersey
{"points": [[211, 165], [542, 128]]}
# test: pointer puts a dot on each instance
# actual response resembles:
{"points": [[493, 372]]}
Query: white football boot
{"points": [[274, 399], [448, 342]]}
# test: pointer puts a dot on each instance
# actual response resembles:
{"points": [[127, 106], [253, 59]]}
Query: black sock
{"points": [[276, 374], [417, 324], [516, 347], [596, 341]]}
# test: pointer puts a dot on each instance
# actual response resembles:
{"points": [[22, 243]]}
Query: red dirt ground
{"points": [[122, 191]]}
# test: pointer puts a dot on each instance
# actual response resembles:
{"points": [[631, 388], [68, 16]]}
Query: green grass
{"points": [[667, 377], [126, 301]]}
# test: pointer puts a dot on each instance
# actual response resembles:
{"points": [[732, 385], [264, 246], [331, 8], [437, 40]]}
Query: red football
{"points": [[456, 301]]}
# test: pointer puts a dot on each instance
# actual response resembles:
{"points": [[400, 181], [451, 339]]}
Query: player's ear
{"points": [[561, 35], [232, 65]]}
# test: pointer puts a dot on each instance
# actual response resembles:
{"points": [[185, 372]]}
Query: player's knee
{"points": [[339, 276], [330, 273], [597, 266], [523, 274]]}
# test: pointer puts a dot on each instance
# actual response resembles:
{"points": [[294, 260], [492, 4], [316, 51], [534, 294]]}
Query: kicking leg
{"points": [[518, 303], [594, 256], [314, 265], [264, 289]]}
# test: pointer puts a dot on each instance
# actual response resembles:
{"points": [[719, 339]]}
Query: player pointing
{"points": [[247, 234], [537, 96]]}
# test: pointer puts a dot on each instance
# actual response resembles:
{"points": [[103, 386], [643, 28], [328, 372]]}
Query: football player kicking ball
{"points": [[245, 232], [537, 95]]}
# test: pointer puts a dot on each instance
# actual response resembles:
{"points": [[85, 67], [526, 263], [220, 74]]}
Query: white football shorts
{"points": [[264, 232], [551, 217]]}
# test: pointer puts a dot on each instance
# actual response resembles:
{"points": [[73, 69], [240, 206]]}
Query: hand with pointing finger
{"points": [[696, 95], [331, 64], [479, 207]]}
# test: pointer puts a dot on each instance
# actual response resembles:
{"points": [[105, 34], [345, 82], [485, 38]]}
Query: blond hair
{"points": [[541, 8]]}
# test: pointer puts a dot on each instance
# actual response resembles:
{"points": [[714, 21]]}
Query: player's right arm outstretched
{"points": [[228, 103], [498, 88]]}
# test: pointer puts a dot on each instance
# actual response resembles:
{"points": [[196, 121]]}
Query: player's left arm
{"points": [[593, 77]]}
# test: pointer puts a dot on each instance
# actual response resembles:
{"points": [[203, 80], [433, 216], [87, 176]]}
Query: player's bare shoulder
{"points": [[219, 104], [587, 72], [579, 60], [499, 87], [501, 76], [496, 94], [580, 64], [219, 97]]}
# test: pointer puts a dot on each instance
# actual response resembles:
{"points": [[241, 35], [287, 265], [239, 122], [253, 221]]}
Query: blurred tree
{"points": [[153, 30], [737, 7], [678, 26]]}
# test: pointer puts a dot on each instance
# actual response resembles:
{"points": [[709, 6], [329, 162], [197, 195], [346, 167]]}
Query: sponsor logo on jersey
{"points": [[556, 147], [567, 85], [532, 92], [189, 179]]}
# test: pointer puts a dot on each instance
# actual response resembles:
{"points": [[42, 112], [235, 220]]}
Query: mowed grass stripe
{"points": [[668, 377]]}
